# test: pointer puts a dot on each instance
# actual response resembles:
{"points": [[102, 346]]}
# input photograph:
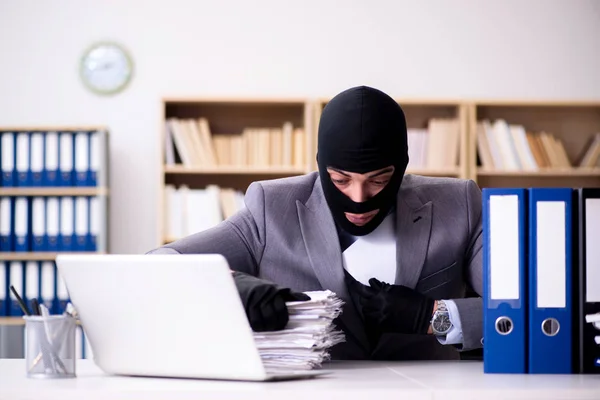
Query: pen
{"points": [[35, 307], [20, 301]]}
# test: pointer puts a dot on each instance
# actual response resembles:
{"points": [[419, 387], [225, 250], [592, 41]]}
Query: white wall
{"points": [[456, 49]]}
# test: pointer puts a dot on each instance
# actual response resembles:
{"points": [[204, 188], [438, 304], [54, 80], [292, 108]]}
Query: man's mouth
{"points": [[361, 219]]}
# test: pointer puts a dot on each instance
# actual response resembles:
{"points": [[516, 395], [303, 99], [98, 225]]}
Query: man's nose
{"points": [[357, 194]]}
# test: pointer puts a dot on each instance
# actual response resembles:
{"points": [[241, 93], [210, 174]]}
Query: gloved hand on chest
{"points": [[393, 308]]}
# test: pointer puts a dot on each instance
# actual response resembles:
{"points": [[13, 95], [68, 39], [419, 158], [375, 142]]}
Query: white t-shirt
{"points": [[373, 255]]}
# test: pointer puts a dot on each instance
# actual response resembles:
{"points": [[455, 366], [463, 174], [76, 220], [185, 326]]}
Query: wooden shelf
{"points": [[66, 128], [452, 172], [12, 321], [233, 170], [575, 172], [37, 256], [53, 191], [17, 321]]}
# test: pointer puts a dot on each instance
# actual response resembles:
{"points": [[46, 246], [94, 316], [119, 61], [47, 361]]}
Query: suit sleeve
{"points": [[471, 309], [240, 238]]}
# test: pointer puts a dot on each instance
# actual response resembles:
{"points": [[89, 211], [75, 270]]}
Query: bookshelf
{"points": [[213, 148], [59, 177], [536, 143], [568, 129], [427, 119]]}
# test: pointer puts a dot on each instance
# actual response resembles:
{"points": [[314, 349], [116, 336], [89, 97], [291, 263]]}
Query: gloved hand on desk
{"points": [[393, 308], [264, 302]]}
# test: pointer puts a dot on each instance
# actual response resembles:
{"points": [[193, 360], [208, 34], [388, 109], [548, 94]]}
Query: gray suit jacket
{"points": [[286, 234]]}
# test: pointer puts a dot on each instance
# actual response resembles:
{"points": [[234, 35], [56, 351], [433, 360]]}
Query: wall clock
{"points": [[106, 68]]}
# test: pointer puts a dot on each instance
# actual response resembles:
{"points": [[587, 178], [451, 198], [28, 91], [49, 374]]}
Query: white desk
{"points": [[350, 380]]}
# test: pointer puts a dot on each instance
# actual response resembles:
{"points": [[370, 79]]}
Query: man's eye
{"points": [[380, 183], [339, 181]]}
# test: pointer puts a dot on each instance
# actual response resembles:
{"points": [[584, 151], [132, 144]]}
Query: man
{"points": [[399, 249]]}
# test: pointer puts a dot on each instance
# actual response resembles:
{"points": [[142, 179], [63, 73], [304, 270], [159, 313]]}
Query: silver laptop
{"points": [[166, 316]]}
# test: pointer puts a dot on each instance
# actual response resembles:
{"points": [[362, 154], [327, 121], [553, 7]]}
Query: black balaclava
{"points": [[362, 130]]}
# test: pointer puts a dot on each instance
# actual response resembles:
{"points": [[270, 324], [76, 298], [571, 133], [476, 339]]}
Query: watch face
{"points": [[441, 324]]}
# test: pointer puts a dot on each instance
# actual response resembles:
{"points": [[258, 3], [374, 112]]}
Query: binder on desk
{"points": [[550, 270], [23, 159], [51, 169], [6, 224], [21, 226], [82, 158], [38, 224], [37, 159], [52, 223], [66, 224], [15, 275], [504, 278], [587, 292], [8, 154], [66, 159]]}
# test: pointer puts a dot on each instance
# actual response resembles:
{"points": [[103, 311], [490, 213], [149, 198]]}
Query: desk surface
{"points": [[460, 380]]}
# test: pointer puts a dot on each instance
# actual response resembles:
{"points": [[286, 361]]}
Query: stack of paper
{"points": [[305, 341]]}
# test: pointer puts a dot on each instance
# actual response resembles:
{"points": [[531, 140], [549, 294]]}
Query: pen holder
{"points": [[50, 346]]}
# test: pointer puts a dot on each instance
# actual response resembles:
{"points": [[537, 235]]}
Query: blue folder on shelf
{"points": [[504, 277]]}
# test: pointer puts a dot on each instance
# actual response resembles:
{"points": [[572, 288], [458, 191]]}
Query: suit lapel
{"points": [[325, 255], [413, 227]]}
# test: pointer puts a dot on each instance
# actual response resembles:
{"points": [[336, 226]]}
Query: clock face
{"points": [[106, 68]]}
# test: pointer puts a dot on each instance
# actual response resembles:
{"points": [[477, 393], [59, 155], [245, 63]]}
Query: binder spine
{"points": [[550, 281], [504, 260], [587, 295]]}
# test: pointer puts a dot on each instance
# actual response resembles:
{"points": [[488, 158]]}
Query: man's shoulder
{"points": [[289, 188], [429, 188]]}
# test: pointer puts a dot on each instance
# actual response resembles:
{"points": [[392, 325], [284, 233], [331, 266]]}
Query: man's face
{"points": [[360, 187]]}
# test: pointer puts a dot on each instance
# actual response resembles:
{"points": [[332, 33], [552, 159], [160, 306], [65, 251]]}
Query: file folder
{"points": [[94, 223], [95, 158], [66, 159], [9, 149], [4, 297], [81, 224], [38, 224], [21, 229], [67, 226], [6, 224], [52, 223], [23, 159], [62, 294], [37, 159], [504, 216], [82, 158], [48, 284], [32, 282], [16, 280], [550, 280], [51, 169], [587, 294]]}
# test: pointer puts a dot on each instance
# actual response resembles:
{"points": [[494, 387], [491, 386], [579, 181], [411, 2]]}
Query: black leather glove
{"points": [[264, 302], [394, 308]]}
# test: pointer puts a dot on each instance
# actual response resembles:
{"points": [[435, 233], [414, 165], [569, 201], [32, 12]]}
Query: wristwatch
{"points": [[440, 323]]}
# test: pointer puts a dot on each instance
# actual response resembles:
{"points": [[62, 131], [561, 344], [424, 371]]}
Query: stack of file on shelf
{"points": [[305, 341]]}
